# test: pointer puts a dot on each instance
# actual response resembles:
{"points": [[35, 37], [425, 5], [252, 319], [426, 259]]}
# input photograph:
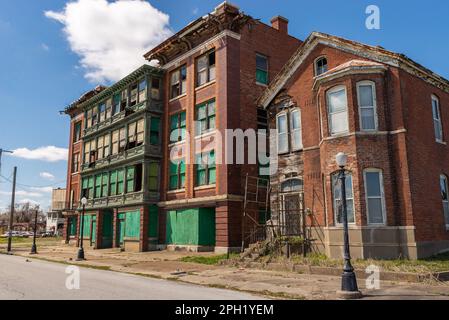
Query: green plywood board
{"points": [[191, 227], [86, 225], [153, 221], [132, 224]]}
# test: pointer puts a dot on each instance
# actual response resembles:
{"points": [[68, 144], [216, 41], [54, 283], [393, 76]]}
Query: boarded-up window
{"points": [[113, 183], [130, 176], [132, 224], [120, 181], [155, 130], [153, 179], [140, 132], [142, 90]]}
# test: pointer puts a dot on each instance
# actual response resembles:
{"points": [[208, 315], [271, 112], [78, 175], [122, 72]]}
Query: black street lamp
{"points": [[81, 249], [349, 288], [34, 247]]}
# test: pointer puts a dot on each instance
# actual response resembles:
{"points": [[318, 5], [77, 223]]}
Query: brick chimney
{"points": [[280, 23]]}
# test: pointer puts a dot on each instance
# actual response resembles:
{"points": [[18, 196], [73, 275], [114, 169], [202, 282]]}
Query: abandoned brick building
{"points": [[227, 70], [387, 113]]}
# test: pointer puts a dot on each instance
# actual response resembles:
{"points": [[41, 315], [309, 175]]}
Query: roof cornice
{"points": [[119, 85], [377, 54]]}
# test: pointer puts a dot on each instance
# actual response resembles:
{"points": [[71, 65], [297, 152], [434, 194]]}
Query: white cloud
{"points": [[48, 153], [43, 189], [47, 175], [30, 201], [22, 193], [111, 37]]}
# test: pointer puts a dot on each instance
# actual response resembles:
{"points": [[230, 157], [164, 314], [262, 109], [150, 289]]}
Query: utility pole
{"points": [[11, 216], [1, 151]]}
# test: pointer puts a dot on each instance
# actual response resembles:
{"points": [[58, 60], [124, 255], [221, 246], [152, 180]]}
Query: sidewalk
{"points": [[274, 284]]}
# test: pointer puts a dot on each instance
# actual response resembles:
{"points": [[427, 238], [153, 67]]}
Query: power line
{"points": [[30, 186]]}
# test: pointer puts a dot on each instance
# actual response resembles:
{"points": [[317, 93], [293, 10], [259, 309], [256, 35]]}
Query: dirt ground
{"points": [[274, 284]]}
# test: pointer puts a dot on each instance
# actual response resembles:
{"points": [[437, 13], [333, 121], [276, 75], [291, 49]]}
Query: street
{"points": [[23, 279]]}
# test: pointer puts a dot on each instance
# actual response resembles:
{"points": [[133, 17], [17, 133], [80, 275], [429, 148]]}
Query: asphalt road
{"points": [[34, 279]]}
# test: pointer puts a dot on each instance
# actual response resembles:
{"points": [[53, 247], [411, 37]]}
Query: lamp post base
{"points": [[349, 295], [80, 256], [33, 249]]}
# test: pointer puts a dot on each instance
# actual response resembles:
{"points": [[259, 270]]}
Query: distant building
{"points": [[55, 219]]}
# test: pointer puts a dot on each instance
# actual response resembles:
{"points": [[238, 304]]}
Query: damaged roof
{"points": [[374, 53]]}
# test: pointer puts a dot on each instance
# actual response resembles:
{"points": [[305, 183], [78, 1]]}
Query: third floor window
{"points": [[205, 68], [178, 82]]}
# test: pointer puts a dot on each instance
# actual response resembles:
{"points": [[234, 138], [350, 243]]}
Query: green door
{"points": [[93, 235], [107, 230], [121, 231]]}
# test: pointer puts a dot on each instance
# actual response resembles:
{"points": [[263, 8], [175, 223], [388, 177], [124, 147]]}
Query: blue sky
{"points": [[42, 71]]}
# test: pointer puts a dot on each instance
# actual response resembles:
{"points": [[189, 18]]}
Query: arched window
{"points": [[445, 198], [337, 199], [438, 127], [337, 104], [292, 185], [295, 128], [366, 93], [374, 196], [320, 66]]}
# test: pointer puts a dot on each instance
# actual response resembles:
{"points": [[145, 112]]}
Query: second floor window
{"points": [[177, 174], [261, 69], [177, 127], [205, 169], [282, 133], [178, 82], [77, 132], [153, 176], [295, 128], [205, 68], [366, 92], [337, 104], [205, 117], [438, 127]]}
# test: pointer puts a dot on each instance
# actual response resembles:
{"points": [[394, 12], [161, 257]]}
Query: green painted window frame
{"points": [[84, 187], [130, 179], [90, 187], [178, 127], [155, 125], [177, 174], [153, 176], [205, 169], [261, 69], [113, 183], [120, 181], [105, 185], [205, 117], [98, 184]]}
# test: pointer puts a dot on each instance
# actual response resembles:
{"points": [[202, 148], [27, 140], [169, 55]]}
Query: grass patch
{"points": [[437, 263], [28, 241], [209, 260]]}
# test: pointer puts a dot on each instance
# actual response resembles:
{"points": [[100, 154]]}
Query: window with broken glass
{"points": [[205, 68]]}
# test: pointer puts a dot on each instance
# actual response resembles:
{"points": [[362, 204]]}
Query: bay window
{"points": [[366, 92], [375, 198], [337, 199], [337, 103]]}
